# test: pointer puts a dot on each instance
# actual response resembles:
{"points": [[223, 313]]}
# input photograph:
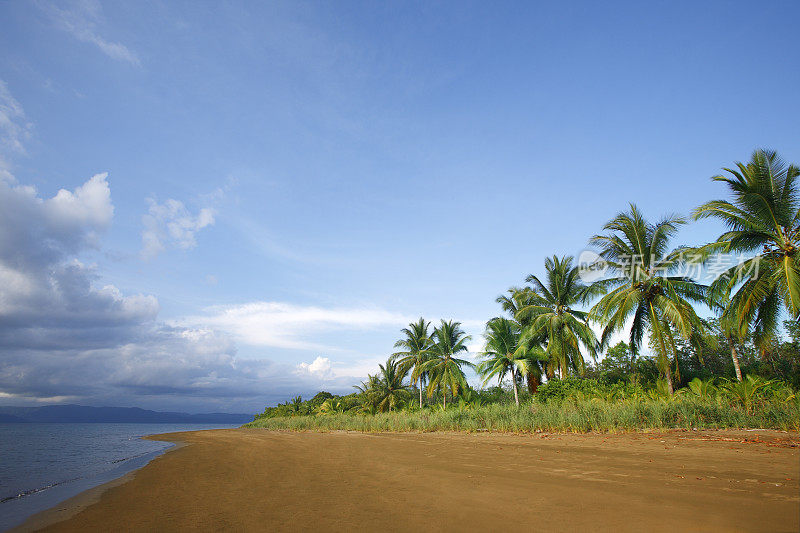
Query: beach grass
{"points": [[575, 415]]}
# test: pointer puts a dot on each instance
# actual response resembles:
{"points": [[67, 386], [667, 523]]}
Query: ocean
{"points": [[42, 464]]}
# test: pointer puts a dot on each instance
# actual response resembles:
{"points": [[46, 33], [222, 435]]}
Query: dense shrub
{"points": [[574, 387], [575, 415]]}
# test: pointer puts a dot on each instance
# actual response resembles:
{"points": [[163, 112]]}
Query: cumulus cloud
{"points": [[284, 325], [320, 367], [64, 334], [67, 336], [171, 225], [82, 19], [43, 287], [36, 233]]}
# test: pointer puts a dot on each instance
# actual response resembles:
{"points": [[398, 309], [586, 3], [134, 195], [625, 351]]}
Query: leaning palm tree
{"points": [[443, 367], [416, 350], [644, 287], [763, 218], [504, 354], [549, 312]]}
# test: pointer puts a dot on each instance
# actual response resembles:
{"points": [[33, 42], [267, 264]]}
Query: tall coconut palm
{"points": [[504, 354], [644, 287], [443, 367], [416, 350], [516, 299], [549, 312], [763, 218]]}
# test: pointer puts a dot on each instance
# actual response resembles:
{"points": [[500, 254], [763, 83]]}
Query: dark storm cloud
{"points": [[66, 336]]}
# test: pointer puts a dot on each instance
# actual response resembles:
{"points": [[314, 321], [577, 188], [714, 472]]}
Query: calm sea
{"points": [[44, 464]]}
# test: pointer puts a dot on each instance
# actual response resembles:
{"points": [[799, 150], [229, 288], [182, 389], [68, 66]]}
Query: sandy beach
{"points": [[250, 479]]}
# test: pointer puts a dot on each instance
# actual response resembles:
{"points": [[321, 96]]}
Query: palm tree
{"points": [[391, 392], [385, 391], [416, 351], [733, 334], [443, 367], [331, 406], [550, 314], [644, 289], [503, 353], [763, 216], [516, 299], [296, 404], [368, 390]]}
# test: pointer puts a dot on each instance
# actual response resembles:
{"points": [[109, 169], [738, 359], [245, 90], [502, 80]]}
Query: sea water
{"points": [[44, 464]]}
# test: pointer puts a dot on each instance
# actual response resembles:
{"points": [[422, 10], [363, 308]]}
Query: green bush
{"points": [[574, 387], [570, 414]]}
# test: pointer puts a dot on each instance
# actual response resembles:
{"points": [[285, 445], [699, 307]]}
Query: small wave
{"points": [[57, 483], [115, 461], [39, 489]]}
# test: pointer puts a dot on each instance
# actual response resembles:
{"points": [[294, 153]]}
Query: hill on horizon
{"points": [[82, 414]]}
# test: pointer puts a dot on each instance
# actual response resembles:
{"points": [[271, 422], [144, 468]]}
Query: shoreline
{"points": [[64, 500], [65, 509], [255, 478]]}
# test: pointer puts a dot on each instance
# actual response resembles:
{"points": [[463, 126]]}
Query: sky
{"points": [[217, 206]]}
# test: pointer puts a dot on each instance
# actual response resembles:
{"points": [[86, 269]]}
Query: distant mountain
{"points": [[10, 418], [82, 413]]}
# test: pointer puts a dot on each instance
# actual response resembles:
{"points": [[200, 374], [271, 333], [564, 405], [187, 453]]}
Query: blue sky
{"points": [[292, 182]]}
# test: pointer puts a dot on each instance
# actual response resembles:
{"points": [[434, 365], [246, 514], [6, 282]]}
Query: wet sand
{"points": [[258, 480]]}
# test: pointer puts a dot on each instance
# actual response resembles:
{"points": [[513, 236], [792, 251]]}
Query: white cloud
{"points": [[81, 19], [64, 336], [284, 325], [321, 368], [89, 206], [171, 225], [41, 285], [35, 232]]}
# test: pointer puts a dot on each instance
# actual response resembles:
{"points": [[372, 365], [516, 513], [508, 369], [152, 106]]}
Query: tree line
{"points": [[644, 290]]}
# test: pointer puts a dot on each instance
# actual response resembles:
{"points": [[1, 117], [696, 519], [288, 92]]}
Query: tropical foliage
{"points": [[732, 370], [504, 354], [549, 313], [762, 218], [445, 369], [385, 391], [416, 346], [644, 287]]}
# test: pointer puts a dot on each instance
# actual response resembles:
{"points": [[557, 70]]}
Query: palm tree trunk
{"points": [[533, 383], [655, 326], [420, 393], [444, 396], [514, 381], [735, 357], [669, 380]]}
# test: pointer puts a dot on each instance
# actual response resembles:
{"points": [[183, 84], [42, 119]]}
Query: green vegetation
{"points": [[647, 292], [584, 406], [729, 371]]}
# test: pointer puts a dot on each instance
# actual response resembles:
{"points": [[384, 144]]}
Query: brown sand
{"points": [[258, 480]]}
